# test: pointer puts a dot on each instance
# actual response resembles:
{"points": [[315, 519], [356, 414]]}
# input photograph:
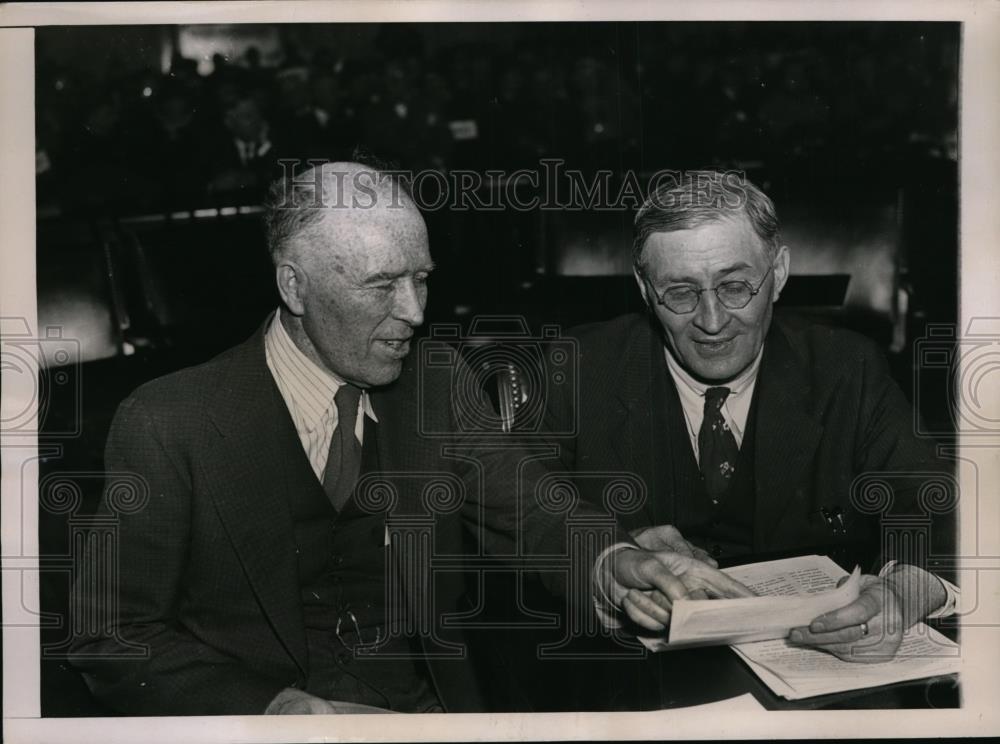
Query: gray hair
{"points": [[296, 203], [703, 196]]}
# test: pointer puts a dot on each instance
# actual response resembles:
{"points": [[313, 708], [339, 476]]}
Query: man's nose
{"points": [[410, 301], [710, 317]]}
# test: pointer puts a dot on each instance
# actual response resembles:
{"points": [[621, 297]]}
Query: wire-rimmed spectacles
{"points": [[734, 294], [358, 646]]}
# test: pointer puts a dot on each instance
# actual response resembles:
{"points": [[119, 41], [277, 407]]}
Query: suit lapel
{"points": [[259, 459], [639, 436], [787, 434], [393, 411], [406, 457]]}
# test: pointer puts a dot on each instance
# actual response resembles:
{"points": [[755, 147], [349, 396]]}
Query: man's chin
{"points": [[714, 371], [386, 374]]}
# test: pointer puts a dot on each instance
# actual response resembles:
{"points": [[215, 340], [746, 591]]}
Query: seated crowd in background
{"points": [[130, 142]]}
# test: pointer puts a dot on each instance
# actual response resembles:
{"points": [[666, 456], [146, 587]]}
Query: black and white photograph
{"points": [[604, 371]]}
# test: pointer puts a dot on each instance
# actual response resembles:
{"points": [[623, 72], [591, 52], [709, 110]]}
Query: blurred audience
{"points": [[672, 95], [243, 160]]}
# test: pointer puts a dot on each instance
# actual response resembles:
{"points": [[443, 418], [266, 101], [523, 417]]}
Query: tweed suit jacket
{"points": [[207, 568], [827, 413]]}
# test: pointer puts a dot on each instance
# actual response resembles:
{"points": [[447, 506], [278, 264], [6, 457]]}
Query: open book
{"points": [[802, 585]]}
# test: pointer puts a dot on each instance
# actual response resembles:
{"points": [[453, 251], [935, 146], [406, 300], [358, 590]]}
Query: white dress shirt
{"points": [[252, 150], [735, 409], [308, 391]]}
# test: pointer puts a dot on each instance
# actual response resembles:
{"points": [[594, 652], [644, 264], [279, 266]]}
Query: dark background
{"points": [[149, 247]]}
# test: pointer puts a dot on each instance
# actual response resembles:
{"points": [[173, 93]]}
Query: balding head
{"points": [[328, 196]]}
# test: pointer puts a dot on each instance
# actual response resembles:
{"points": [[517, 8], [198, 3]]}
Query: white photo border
{"points": [[980, 458]]}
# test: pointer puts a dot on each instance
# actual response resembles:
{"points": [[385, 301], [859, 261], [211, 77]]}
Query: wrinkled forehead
{"points": [[380, 237], [709, 245], [385, 209]]}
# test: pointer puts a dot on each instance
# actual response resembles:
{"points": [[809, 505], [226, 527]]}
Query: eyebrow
{"points": [[386, 276], [724, 272]]}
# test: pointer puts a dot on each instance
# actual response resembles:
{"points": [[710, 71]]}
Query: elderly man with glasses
{"points": [[750, 430]]}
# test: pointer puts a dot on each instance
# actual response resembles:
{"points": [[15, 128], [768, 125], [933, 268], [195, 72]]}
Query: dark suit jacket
{"points": [[827, 413], [207, 568]]}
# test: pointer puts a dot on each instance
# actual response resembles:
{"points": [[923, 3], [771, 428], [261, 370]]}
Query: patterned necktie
{"points": [[717, 448], [343, 464]]}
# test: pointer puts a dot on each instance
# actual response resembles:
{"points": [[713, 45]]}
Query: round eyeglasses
{"points": [[735, 295]]}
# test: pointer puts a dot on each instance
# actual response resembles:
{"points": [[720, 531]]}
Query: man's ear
{"points": [[642, 285], [292, 286], [781, 264]]}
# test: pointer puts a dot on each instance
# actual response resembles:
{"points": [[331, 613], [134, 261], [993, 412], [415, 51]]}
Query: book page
{"points": [[794, 594], [795, 672], [805, 574]]}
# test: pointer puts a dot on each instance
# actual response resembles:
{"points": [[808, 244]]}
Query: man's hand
{"points": [[667, 537], [293, 702], [645, 584], [869, 629]]}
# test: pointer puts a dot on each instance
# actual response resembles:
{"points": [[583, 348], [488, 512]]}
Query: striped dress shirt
{"points": [[308, 392]]}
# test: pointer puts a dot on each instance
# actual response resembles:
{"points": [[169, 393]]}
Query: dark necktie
{"points": [[717, 448], [344, 461]]}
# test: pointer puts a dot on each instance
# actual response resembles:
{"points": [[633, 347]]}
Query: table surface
{"points": [[708, 674], [696, 676]]}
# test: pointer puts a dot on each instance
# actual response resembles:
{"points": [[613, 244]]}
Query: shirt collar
{"points": [[315, 386], [736, 387]]}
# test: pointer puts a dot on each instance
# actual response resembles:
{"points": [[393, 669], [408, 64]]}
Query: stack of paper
{"points": [[795, 672], [757, 618], [786, 599], [791, 593]]}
